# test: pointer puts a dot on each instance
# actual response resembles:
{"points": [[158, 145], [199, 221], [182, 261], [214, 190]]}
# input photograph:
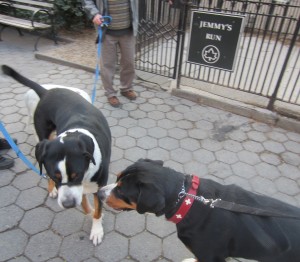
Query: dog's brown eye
{"points": [[73, 175], [58, 175]]}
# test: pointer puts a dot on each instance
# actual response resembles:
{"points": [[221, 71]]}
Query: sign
{"points": [[214, 38]]}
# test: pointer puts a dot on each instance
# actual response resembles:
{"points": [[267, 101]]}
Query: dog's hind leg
{"points": [[86, 204], [97, 228]]}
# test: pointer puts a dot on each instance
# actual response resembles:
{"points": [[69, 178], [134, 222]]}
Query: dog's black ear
{"points": [[90, 157], [150, 199], [87, 146], [40, 153]]}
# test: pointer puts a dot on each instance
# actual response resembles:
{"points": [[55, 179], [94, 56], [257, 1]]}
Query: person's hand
{"points": [[98, 20], [170, 2]]}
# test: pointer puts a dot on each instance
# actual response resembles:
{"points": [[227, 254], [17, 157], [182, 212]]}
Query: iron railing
{"points": [[268, 59]]}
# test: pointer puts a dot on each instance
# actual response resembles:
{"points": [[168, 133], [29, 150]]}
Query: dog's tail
{"points": [[23, 80]]}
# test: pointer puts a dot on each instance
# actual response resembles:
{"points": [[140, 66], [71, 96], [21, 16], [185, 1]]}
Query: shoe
{"points": [[6, 163], [113, 101], [4, 144], [130, 94]]}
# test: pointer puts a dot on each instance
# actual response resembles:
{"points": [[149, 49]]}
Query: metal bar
{"points": [[274, 95]]}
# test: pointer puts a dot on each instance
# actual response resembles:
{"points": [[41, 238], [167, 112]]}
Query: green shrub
{"points": [[69, 14]]}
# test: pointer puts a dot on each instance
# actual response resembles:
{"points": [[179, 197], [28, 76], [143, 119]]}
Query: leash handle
{"points": [[17, 150], [106, 20]]}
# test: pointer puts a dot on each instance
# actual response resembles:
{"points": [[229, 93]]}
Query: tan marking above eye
{"points": [[117, 203], [58, 175], [73, 175]]}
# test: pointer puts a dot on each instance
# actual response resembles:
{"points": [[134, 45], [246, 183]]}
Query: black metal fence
{"points": [[268, 58]]}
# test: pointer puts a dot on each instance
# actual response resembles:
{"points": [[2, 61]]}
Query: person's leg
{"points": [[108, 63], [127, 62]]}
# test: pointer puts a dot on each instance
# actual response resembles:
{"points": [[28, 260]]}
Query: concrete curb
{"points": [[236, 107]]}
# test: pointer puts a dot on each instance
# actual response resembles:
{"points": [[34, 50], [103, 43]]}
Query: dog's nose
{"points": [[69, 203], [101, 195]]}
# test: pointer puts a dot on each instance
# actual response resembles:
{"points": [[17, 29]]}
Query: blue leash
{"points": [[106, 22], [17, 150]]}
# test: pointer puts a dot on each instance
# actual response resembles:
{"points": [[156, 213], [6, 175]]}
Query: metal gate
{"points": [[268, 60]]}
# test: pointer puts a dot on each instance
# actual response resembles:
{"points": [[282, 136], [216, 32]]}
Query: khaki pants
{"points": [[108, 62]]}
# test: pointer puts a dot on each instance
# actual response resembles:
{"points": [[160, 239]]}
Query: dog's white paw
{"points": [[189, 260], [97, 231], [53, 193]]}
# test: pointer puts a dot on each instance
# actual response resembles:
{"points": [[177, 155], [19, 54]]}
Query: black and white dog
{"points": [[77, 160]]}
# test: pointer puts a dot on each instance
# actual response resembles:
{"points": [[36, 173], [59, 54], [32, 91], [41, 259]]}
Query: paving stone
{"points": [[211, 145], [226, 156], [220, 170], [12, 244], [274, 147], [270, 158], [157, 132], [19, 259], [256, 136], [10, 217], [68, 221], [106, 253], [159, 226], [118, 131], [158, 153], [263, 186], [26, 181], [289, 171], [76, 247], [248, 157], [147, 142], [175, 254], [6, 177], [243, 170], [291, 158], [137, 132], [177, 133], [292, 146], [293, 136], [37, 220], [204, 156], [129, 223], [156, 115], [31, 198], [194, 167], [125, 142], [145, 247], [168, 143], [232, 146], [133, 154], [166, 124], [287, 186], [198, 134], [8, 195], [267, 171], [253, 146], [43, 246], [181, 155]]}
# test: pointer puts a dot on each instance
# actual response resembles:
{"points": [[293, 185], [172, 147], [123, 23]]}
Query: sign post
{"points": [[214, 39]]}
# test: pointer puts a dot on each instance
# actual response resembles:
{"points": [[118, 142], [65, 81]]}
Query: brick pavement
{"points": [[189, 137]]}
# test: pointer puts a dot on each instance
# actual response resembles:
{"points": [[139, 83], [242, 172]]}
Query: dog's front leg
{"points": [[86, 205], [97, 228], [52, 189]]}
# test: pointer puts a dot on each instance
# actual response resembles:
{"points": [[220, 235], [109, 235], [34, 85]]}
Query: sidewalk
{"points": [[188, 136]]}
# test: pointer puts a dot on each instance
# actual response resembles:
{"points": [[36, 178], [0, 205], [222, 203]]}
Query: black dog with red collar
{"points": [[212, 234]]}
